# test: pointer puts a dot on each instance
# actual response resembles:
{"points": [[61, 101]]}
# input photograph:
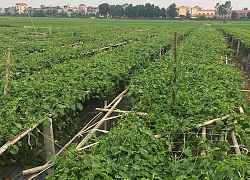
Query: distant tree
{"points": [[119, 10], [223, 8], [104, 9], [7, 11], [112, 10], [234, 15], [38, 13], [130, 11], [139, 11], [149, 10], [248, 15], [157, 11], [245, 8], [163, 12], [172, 11]]}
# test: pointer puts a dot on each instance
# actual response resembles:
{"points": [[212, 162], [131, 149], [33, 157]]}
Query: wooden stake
{"points": [[203, 133], [7, 74], [121, 111], [247, 61], [238, 48], [18, 137], [235, 143], [212, 121], [85, 140], [175, 68], [49, 142], [232, 42], [105, 123], [49, 164]]}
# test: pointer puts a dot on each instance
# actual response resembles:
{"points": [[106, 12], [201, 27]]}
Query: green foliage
{"points": [[206, 88]]}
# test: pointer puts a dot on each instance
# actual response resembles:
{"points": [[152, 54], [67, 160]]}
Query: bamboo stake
{"points": [[98, 125], [204, 136], [121, 111], [234, 139], [235, 143], [18, 137], [49, 143], [212, 121], [243, 90], [7, 74], [49, 164], [105, 123], [238, 48], [175, 68]]}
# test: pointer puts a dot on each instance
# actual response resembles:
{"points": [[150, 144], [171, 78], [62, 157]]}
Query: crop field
{"points": [[195, 100]]}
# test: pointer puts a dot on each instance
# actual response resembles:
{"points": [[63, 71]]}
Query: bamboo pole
{"points": [[7, 74], [234, 139], [49, 164], [121, 111], [235, 143], [175, 69], [49, 142], [238, 48], [18, 137], [203, 133], [232, 42], [98, 125], [212, 121], [105, 123]]}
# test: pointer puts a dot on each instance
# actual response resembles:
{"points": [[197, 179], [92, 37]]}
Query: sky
{"points": [[205, 4]]}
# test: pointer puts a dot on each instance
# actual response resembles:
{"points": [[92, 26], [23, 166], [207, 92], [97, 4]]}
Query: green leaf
{"points": [[14, 149], [79, 106]]}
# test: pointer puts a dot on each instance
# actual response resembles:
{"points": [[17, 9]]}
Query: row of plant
{"points": [[64, 88], [29, 55], [239, 33], [206, 88]]}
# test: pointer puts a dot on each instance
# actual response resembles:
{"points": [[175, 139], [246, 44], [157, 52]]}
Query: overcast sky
{"points": [[206, 4]]}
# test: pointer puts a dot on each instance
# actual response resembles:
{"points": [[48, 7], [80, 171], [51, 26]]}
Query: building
{"points": [[242, 14], [82, 9], [21, 7], [207, 13], [182, 11], [1, 10], [92, 10], [194, 11]]}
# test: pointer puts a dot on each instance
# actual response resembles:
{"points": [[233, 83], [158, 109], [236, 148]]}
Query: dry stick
{"points": [[245, 90], [204, 136], [212, 121], [49, 164], [7, 74], [98, 125], [236, 145], [121, 111], [18, 137], [105, 123], [234, 139], [49, 142]]}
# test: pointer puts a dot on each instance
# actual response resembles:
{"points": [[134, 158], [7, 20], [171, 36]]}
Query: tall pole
{"points": [[175, 68]]}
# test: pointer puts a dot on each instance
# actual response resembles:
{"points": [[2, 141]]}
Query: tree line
{"points": [[139, 11]]}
